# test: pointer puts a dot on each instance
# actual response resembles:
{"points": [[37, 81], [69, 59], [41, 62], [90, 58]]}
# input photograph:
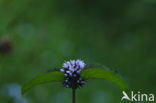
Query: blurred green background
{"points": [[37, 35]]}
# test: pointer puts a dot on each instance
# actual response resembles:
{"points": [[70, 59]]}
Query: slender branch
{"points": [[74, 95]]}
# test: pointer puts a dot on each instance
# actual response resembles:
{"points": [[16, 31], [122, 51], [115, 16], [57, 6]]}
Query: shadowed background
{"points": [[37, 35]]}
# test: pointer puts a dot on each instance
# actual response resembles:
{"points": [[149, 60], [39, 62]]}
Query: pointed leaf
{"points": [[44, 78], [98, 73]]}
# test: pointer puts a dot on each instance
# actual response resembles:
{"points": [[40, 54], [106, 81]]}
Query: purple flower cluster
{"points": [[72, 70]]}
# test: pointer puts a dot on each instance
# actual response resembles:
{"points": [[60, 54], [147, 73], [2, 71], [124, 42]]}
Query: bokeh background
{"points": [[37, 35]]}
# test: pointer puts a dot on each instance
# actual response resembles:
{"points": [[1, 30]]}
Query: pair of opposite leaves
{"points": [[86, 74]]}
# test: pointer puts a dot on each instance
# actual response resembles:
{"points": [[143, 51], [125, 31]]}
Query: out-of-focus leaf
{"points": [[98, 73], [44, 78]]}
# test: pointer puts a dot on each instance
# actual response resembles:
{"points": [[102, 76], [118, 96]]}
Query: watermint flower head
{"points": [[72, 70], [74, 74]]}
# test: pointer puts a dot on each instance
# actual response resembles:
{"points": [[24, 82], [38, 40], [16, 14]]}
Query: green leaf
{"points": [[98, 73], [44, 78]]}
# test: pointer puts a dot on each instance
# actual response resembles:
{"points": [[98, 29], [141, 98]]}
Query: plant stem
{"points": [[74, 95]]}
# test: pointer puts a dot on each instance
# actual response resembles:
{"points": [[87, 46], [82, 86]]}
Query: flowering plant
{"points": [[74, 74]]}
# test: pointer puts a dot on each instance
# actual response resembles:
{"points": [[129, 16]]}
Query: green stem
{"points": [[74, 95]]}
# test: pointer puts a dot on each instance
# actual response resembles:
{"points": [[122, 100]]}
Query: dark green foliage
{"points": [[98, 73], [45, 78]]}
